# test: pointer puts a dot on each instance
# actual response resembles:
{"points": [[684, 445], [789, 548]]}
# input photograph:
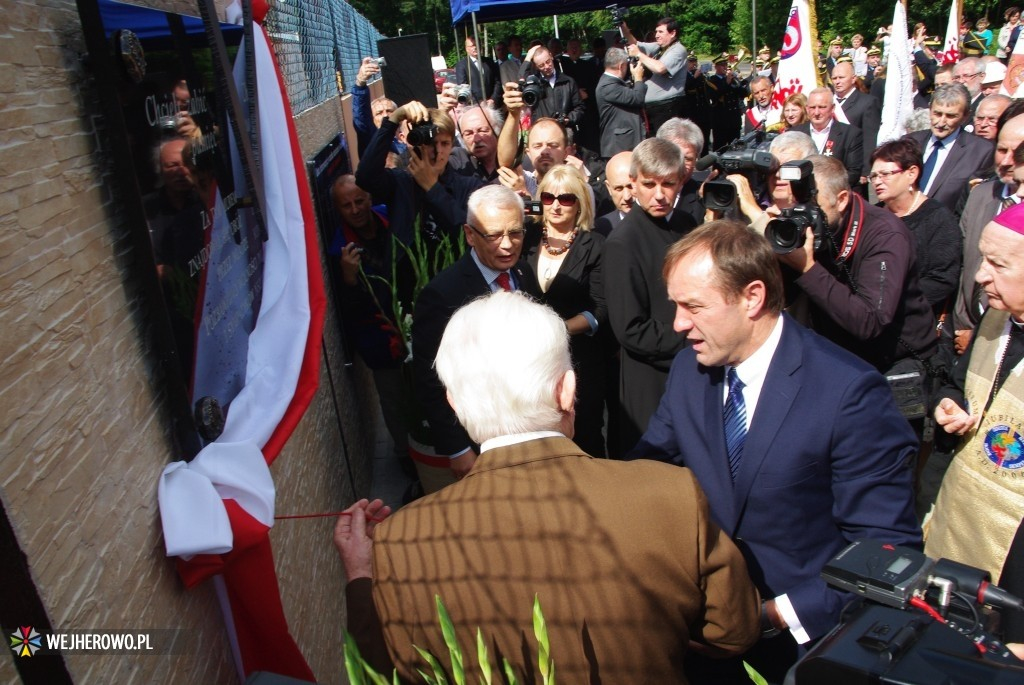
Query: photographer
{"points": [[665, 59], [428, 187], [620, 104], [366, 115], [786, 147], [862, 281], [562, 100]]}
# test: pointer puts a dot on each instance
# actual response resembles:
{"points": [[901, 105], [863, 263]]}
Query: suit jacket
{"points": [[864, 112], [606, 223], [827, 460], [620, 108], [610, 549], [437, 302], [845, 143], [508, 71], [483, 87], [969, 155], [983, 203]]}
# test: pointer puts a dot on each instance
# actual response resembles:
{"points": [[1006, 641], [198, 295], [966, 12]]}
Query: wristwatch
{"points": [[768, 629]]}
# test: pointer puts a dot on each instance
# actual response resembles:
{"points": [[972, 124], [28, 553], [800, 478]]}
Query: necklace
{"points": [[918, 199], [555, 251]]}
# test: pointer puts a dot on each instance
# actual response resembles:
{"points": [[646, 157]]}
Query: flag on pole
{"points": [[1013, 82], [797, 72], [899, 81], [217, 510], [950, 52]]}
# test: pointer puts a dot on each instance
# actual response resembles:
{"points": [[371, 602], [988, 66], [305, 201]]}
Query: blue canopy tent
{"points": [[483, 11]]}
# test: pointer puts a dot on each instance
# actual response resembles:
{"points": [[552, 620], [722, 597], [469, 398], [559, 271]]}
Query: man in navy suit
{"points": [[801, 451], [481, 74], [952, 156], [494, 232]]}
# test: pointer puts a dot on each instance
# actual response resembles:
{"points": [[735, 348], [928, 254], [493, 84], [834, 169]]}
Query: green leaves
{"points": [[540, 630], [756, 677]]}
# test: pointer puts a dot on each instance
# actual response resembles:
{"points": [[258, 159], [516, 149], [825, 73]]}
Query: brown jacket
{"points": [[624, 557]]}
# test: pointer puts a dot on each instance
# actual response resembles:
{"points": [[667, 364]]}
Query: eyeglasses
{"points": [[884, 175], [565, 199], [513, 234], [964, 77]]}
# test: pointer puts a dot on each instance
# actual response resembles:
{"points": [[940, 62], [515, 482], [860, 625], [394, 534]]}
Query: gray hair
{"points": [[614, 57], [918, 120], [796, 143], [656, 157], [677, 130], [490, 198], [519, 394], [830, 175], [952, 93], [494, 117]]}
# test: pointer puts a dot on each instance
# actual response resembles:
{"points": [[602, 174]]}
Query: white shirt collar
{"points": [[753, 370], [506, 440]]}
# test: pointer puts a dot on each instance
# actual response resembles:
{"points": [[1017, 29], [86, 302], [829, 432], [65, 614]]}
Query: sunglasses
{"points": [[565, 199]]}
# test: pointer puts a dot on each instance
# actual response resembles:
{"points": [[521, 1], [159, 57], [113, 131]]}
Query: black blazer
{"points": [[865, 112], [484, 87], [437, 302], [969, 156], [606, 223], [845, 143]]}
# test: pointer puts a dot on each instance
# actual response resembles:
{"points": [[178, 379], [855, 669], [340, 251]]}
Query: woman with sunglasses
{"points": [[566, 256], [895, 169]]}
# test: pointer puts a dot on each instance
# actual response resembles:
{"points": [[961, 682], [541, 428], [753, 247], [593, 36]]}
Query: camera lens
{"points": [[785, 235]]}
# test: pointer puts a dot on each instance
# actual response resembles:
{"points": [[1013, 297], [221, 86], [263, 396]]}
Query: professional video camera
{"points": [[533, 90], [422, 133], [917, 624], [619, 14], [789, 232], [749, 155]]}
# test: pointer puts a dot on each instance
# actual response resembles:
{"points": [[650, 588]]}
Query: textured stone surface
{"points": [[85, 431]]}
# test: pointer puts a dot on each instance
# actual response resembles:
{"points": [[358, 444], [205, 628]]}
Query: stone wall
{"points": [[85, 431]]}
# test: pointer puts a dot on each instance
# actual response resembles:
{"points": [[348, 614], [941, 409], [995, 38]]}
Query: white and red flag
{"points": [[899, 81], [217, 510], [950, 52], [797, 71]]}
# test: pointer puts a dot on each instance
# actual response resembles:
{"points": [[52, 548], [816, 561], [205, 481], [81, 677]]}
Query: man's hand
{"points": [[745, 196], [423, 172], [462, 464], [953, 418], [367, 70], [638, 71], [448, 99], [513, 98], [961, 339], [412, 112], [350, 261], [802, 258], [353, 536], [510, 179]]}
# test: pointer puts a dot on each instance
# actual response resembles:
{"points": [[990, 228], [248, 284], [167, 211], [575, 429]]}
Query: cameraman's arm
{"points": [[372, 174], [745, 198], [508, 139]]}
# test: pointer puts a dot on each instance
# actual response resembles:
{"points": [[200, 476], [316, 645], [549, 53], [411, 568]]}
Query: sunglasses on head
{"points": [[565, 199]]}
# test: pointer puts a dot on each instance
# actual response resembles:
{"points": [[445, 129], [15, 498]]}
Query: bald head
{"points": [[842, 78], [617, 180], [352, 203]]}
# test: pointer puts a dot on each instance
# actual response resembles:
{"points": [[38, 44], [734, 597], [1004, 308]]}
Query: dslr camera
{"points": [[533, 90], [422, 133], [788, 232]]}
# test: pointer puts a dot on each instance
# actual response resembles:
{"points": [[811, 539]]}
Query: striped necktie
{"points": [[734, 416]]}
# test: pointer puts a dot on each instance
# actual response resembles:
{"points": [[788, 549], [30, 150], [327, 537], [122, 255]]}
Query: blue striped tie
{"points": [[734, 416]]}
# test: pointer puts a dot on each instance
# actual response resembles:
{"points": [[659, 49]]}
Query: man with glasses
{"points": [[969, 72], [638, 311], [494, 233], [952, 156], [986, 117]]}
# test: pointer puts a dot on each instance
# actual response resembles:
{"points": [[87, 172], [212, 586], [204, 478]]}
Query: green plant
{"points": [[361, 673]]}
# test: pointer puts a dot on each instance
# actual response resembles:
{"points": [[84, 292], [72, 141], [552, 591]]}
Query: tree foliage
{"points": [[706, 26]]}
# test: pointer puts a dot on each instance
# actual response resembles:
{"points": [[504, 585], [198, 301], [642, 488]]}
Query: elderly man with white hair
{"points": [[608, 548]]}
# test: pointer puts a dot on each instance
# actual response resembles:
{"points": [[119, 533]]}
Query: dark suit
{"points": [[864, 112], [846, 144], [576, 288], [620, 108], [983, 203], [437, 302], [483, 87], [826, 461], [508, 71], [611, 550], [968, 156], [606, 223]]}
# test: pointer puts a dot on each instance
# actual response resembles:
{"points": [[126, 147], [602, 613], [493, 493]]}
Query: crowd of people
{"points": [[696, 405]]}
